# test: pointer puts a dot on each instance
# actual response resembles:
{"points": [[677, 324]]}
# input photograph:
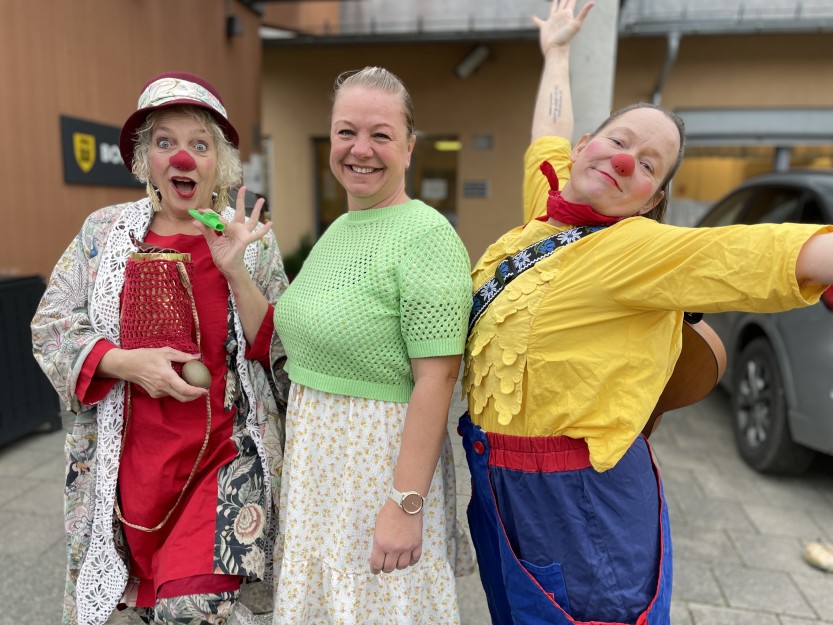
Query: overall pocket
{"points": [[551, 579]]}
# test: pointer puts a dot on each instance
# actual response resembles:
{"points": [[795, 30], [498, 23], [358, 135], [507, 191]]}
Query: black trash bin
{"points": [[27, 400]]}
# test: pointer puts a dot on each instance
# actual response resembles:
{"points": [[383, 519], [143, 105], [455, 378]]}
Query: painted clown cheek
{"points": [[183, 161], [644, 189]]}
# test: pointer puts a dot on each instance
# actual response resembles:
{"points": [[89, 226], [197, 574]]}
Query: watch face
{"points": [[412, 503]]}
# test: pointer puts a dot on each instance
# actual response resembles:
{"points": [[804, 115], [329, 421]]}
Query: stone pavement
{"points": [[738, 535]]}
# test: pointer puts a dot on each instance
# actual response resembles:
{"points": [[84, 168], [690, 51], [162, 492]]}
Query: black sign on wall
{"points": [[91, 154]]}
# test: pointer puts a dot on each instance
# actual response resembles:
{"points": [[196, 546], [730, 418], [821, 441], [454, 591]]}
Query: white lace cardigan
{"points": [[81, 306]]}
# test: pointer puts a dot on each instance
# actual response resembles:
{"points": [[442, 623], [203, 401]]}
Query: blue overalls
{"points": [[559, 543]]}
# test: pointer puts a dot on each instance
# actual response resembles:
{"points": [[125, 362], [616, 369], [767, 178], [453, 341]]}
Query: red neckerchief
{"points": [[566, 212]]}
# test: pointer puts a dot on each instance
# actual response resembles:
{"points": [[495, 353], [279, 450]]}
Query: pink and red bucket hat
{"points": [[174, 89]]}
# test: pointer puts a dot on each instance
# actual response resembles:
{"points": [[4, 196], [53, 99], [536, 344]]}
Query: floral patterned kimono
{"points": [[81, 307]]}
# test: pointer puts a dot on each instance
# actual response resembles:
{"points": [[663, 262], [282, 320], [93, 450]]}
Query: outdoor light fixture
{"points": [[474, 59], [234, 26]]}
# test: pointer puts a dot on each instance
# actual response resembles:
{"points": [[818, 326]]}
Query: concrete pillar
{"points": [[593, 65], [781, 162]]}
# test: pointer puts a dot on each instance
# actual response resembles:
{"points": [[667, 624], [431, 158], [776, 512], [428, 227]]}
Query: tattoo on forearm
{"points": [[556, 104]]}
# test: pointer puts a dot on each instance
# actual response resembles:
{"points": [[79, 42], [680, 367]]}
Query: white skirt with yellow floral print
{"points": [[338, 469]]}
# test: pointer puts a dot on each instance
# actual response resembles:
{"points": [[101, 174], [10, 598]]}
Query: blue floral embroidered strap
{"points": [[512, 266]]}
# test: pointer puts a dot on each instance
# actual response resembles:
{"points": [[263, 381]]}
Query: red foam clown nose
{"points": [[623, 164], [183, 161]]}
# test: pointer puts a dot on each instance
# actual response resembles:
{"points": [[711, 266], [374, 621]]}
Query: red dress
{"points": [[163, 440]]}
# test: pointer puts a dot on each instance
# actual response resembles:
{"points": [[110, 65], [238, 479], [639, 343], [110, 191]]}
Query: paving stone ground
{"points": [[738, 535]]}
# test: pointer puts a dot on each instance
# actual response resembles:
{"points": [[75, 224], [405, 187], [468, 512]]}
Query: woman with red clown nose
{"points": [[170, 477], [576, 326]]}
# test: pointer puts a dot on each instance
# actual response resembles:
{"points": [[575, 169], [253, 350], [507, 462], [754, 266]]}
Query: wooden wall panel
{"points": [[89, 59]]}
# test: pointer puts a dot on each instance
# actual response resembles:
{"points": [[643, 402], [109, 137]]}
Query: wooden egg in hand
{"points": [[196, 374]]}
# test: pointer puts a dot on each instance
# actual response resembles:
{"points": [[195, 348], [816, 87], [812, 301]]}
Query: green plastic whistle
{"points": [[212, 220]]}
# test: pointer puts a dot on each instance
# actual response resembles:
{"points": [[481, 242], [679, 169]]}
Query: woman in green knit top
{"points": [[374, 327]]}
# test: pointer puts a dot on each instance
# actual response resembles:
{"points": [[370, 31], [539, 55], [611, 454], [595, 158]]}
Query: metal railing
{"points": [[652, 17], [512, 19]]}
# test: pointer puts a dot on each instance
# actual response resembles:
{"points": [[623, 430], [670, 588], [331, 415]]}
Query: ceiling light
{"points": [[447, 145]]}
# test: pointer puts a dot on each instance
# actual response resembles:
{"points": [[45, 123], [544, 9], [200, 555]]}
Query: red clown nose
{"points": [[623, 164], [185, 162]]}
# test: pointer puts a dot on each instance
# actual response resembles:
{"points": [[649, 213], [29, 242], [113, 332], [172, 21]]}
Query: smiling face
{"points": [[183, 163], [370, 147], [619, 170]]}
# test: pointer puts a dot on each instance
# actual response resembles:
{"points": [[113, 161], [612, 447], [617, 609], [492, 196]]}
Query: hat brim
{"points": [[127, 138]]}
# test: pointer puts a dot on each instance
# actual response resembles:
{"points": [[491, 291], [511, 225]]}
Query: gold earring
{"points": [[221, 200], [153, 195]]}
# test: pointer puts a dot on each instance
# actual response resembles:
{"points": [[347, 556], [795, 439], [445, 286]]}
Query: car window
{"points": [[774, 205], [811, 213], [728, 211]]}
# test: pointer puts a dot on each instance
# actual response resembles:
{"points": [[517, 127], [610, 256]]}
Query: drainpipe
{"points": [[672, 46], [781, 162]]}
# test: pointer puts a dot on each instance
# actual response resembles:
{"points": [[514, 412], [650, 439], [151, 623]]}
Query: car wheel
{"points": [[762, 432]]}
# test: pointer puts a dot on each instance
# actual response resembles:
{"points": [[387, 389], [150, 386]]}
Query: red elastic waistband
{"points": [[547, 454]]}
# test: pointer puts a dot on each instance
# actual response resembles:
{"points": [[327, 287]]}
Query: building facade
{"points": [[751, 78], [748, 77], [71, 73]]}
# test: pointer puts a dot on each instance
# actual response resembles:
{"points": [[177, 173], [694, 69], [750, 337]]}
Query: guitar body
{"points": [[699, 368]]}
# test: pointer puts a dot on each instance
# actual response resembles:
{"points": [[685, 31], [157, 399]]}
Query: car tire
{"points": [[759, 410]]}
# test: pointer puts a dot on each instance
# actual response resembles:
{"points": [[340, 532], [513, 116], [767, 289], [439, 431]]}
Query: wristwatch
{"points": [[410, 501]]}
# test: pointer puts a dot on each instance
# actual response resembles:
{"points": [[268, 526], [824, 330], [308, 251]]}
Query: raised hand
{"points": [[561, 25], [227, 249]]}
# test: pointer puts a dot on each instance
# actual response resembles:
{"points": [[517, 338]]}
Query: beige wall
{"points": [[313, 17], [497, 99], [92, 56], [778, 71], [89, 59], [711, 71], [724, 71]]}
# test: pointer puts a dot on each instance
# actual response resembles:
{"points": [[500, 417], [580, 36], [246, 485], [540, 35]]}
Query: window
{"points": [[728, 212], [774, 205]]}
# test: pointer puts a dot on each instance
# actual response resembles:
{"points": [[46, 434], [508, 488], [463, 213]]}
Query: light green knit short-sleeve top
{"points": [[381, 286]]}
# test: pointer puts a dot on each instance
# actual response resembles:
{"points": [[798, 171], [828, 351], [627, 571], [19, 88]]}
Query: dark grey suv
{"points": [[779, 365]]}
